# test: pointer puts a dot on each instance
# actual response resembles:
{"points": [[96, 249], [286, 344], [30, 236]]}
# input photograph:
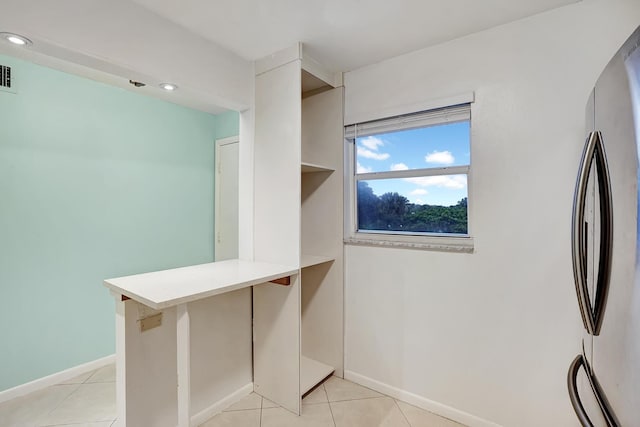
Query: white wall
{"points": [[123, 40], [490, 334]]}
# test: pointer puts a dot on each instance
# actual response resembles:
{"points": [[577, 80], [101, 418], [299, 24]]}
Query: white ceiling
{"points": [[341, 34], [206, 46]]}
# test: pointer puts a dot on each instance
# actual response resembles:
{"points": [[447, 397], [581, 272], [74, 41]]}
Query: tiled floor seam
{"points": [[240, 410], [403, 414], [62, 401], [358, 398], [89, 377], [331, 410]]}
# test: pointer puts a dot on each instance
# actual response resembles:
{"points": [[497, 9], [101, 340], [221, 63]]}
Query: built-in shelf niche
{"points": [[311, 260], [321, 234], [312, 168], [312, 373]]}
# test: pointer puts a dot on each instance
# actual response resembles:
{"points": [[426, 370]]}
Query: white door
{"points": [[226, 199]]}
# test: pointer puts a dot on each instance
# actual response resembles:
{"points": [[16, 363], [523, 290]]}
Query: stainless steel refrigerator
{"points": [[604, 378]]}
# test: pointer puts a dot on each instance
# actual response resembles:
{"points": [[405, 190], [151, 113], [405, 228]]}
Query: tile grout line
{"points": [[261, 405], [402, 412], [62, 401], [329, 404], [90, 376], [359, 398], [78, 385], [332, 417]]}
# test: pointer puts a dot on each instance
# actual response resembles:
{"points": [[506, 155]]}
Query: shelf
{"points": [[311, 168], [311, 260], [162, 289], [312, 373]]}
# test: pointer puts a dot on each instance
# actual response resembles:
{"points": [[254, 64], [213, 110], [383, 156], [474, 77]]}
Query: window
{"points": [[409, 178]]}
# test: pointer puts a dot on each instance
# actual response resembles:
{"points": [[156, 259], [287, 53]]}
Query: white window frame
{"points": [[413, 240]]}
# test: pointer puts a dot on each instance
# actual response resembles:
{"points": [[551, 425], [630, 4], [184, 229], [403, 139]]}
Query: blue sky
{"points": [[434, 146]]}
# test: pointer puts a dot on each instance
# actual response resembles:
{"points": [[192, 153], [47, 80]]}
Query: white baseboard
{"points": [[419, 401], [53, 379], [221, 405]]}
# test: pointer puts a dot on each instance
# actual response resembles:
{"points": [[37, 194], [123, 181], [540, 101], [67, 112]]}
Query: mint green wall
{"points": [[95, 182], [227, 124]]}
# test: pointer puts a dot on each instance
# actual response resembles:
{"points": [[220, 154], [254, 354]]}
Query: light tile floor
{"points": [[89, 400]]}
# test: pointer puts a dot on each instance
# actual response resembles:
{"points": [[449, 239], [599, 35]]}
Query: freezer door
{"points": [[616, 350]]}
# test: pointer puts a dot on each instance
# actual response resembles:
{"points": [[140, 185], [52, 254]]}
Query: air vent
{"points": [[5, 77]]}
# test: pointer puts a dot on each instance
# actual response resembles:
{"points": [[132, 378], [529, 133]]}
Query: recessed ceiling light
{"points": [[170, 87], [16, 39]]}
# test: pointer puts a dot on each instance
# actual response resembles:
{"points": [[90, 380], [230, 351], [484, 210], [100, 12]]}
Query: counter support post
{"points": [[184, 365], [121, 363]]}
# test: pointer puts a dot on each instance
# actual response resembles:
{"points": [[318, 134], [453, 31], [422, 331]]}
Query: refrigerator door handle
{"points": [[603, 403], [606, 234], [572, 385], [592, 315], [578, 248]]}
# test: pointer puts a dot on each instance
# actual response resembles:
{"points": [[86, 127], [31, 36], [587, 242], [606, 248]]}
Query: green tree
{"points": [[367, 206], [391, 211]]}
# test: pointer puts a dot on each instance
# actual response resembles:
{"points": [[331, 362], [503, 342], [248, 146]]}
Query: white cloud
{"points": [[440, 157], [362, 169], [369, 146], [399, 167], [419, 192], [368, 154], [418, 202], [454, 182], [372, 143]]}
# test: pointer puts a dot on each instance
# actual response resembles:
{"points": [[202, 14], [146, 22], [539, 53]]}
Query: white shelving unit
{"points": [[298, 170], [170, 323]]}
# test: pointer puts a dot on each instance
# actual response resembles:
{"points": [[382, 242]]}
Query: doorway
{"points": [[226, 199]]}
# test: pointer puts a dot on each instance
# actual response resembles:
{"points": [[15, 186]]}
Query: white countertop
{"points": [[162, 289]]}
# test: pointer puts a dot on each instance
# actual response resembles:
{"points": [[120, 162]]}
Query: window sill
{"points": [[429, 243]]}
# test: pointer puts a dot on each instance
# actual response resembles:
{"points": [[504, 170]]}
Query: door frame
{"points": [[216, 202]]}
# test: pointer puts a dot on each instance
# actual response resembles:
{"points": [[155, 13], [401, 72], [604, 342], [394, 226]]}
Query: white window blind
{"points": [[458, 113]]}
